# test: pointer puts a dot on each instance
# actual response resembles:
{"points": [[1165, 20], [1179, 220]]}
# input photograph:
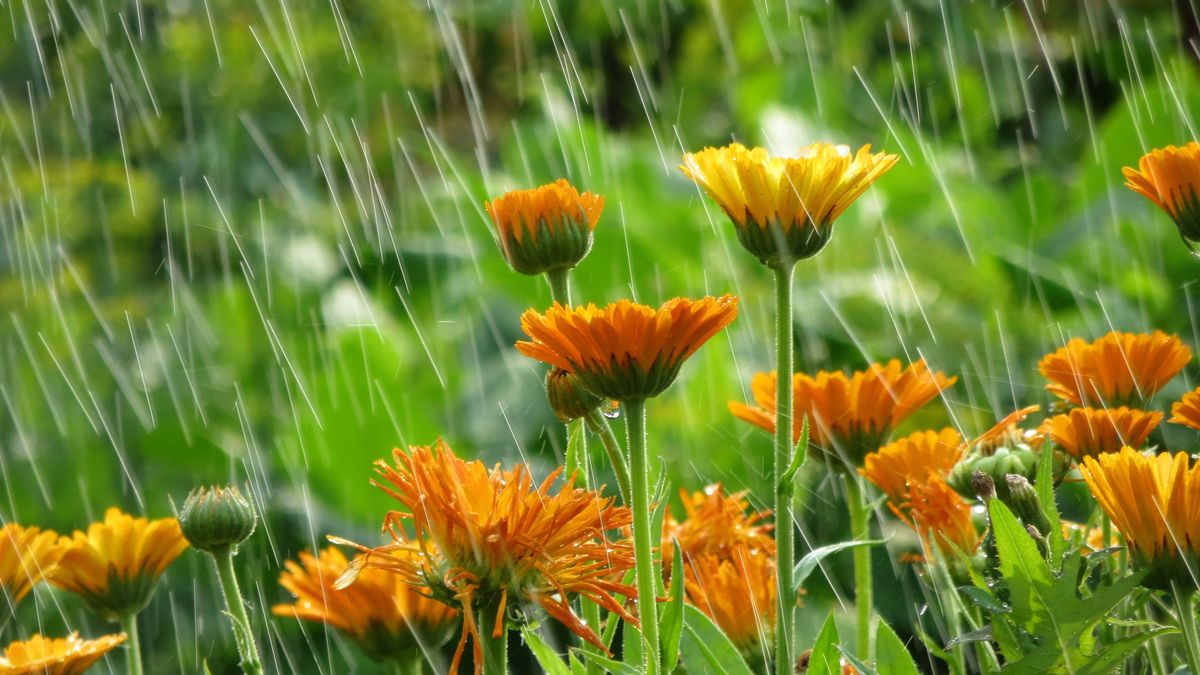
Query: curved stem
{"points": [[495, 647], [1187, 623], [560, 290], [643, 537], [784, 517], [859, 531], [133, 657], [599, 426], [243, 633]]}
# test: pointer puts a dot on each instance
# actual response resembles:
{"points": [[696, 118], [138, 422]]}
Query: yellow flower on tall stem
{"points": [[547, 228], [1086, 432], [28, 555], [486, 539], [1186, 411], [1119, 369], [912, 458], [737, 591], [56, 656], [1170, 177]]}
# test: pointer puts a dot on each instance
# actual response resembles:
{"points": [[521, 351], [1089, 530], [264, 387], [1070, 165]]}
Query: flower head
{"points": [[1092, 431], [1170, 177], [717, 524], [912, 458], [382, 612], [546, 228], [625, 351], [848, 416], [483, 537], [27, 556], [1186, 411], [737, 592], [784, 207], [1117, 369], [940, 516], [1006, 448], [215, 519], [56, 656], [115, 565], [1153, 501]]}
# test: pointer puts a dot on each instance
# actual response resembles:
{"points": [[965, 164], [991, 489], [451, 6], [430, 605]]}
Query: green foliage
{"points": [[705, 649]]}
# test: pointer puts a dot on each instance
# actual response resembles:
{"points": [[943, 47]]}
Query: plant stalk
{"points": [[860, 531], [243, 633], [495, 648], [643, 537], [133, 657], [1187, 623], [560, 290], [599, 426], [784, 516]]}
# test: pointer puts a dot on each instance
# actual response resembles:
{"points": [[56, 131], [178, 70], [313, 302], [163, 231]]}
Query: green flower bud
{"points": [[216, 519], [1023, 500], [567, 397], [997, 464], [983, 486]]}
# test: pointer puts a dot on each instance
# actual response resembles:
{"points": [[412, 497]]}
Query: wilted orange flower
{"points": [[738, 592], [912, 458], [1091, 431], [1186, 411], [548, 227], [716, 524], [848, 416], [380, 611], [27, 556], [1169, 177], [114, 567], [784, 207], [1117, 369], [625, 351], [483, 536], [55, 656], [940, 516], [1153, 501]]}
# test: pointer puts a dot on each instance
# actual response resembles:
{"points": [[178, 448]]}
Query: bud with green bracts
{"points": [[216, 519]]}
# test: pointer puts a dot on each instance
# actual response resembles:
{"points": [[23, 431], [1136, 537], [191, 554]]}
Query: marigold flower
{"points": [[1092, 431], [737, 592], [625, 351], [716, 524], [912, 458], [1186, 411], [940, 516], [28, 555], [1169, 177], [1152, 501], [380, 611], [1117, 369], [56, 656], [784, 207], [483, 537], [115, 566], [546, 228], [848, 416]]}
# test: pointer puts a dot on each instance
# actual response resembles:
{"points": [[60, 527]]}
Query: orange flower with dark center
{"points": [[483, 537], [940, 516], [851, 416], [28, 555], [1092, 431], [716, 524], [382, 612], [738, 592], [625, 351], [56, 656], [1170, 177], [546, 228], [1115, 370], [1186, 411], [912, 458]]}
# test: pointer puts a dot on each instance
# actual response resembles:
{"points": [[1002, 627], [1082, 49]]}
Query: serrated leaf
{"points": [[891, 656], [546, 657], [825, 659], [813, 558], [671, 620], [705, 649], [1045, 492]]}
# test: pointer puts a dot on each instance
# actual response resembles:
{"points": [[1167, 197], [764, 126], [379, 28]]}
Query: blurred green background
{"points": [[246, 241]]}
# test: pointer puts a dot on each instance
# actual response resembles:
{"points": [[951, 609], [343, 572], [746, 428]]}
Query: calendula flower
{"points": [[913, 457], [485, 538], [380, 611], [546, 228], [625, 351], [716, 524], [1152, 501], [1117, 369], [27, 556], [940, 516], [1169, 177], [736, 591], [115, 566], [848, 416], [56, 656], [1186, 411], [1092, 431], [784, 207]]}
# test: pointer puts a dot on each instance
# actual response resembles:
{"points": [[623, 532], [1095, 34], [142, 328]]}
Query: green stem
{"points": [[495, 648], [133, 656], [859, 531], [948, 601], [599, 426], [643, 537], [243, 633], [785, 546], [1187, 623], [560, 290]]}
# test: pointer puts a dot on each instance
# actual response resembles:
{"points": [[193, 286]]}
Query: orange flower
{"points": [[738, 592], [940, 516], [716, 524], [625, 351], [1169, 177], [848, 416], [27, 556], [912, 458], [1186, 411], [784, 207], [546, 228], [1117, 369], [385, 615], [1091, 431], [55, 656], [483, 536]]}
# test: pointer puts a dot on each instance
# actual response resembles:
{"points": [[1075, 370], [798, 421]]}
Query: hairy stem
{"points": [[643, 537], [133, 657], [784, 517], [599, 426], [243, 633], [495, 647], [860, 531]]}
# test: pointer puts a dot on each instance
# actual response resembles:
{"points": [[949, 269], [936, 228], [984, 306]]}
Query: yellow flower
{"points": [[546, 228], [737, 592], [55, 656], [940, 516], [1169, 177], [1092, 431], [1152, 501], [28, 555], [385, 615], [625, 351], [912, 458], [1186, 411], [1117, 369], [115, 566], [784, 207], [716, 524], [483, 537]]}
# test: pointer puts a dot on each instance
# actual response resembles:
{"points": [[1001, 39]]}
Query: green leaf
{"points": [[984, 599], [574, 441], [609, 665], [799, 456], [671, 621], [891, 656], [546, 657], [705, 649], [825, 659], [1021, 565], [1045, 492], [1107, 659], [631, 641], [813, 558]]}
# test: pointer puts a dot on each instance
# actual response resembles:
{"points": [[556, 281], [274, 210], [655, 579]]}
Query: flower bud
{"points": [[216, 519], [567, 397], [1023, 500], [546, 228], [983, 486]]}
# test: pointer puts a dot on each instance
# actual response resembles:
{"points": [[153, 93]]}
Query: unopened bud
{"points": [[568, 399], [983, 486], [216, 519]]}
